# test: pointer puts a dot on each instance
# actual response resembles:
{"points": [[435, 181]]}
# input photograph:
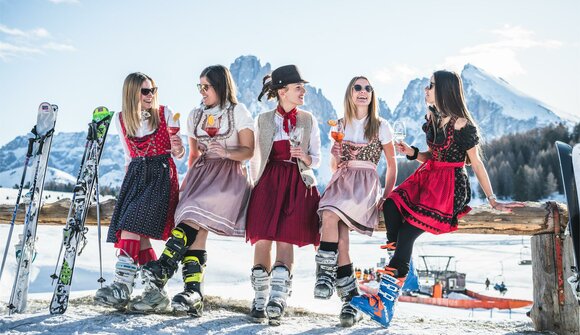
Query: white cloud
{"points": [[501, 56], [58, 47], [15, 32], [8, 50], [396, 72], [18, 42]]}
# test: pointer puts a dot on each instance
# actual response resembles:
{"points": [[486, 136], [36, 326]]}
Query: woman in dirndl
{"points": [[353, 197], [284, 201], [149, 193], [213, 196], [437, 194]]}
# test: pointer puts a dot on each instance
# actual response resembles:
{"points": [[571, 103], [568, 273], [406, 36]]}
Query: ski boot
{"points": [[381, 306], [190, 301], [281, 288], [155, 274], [574, 281], [326, 265], [347, 289], [261, 284], [118, 293]]}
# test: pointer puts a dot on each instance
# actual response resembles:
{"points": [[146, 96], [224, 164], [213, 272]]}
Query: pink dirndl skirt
{"points": [[353, 194], [214, 195]]}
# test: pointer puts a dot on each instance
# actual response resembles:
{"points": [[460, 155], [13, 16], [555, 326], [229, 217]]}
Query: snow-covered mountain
{"points": [[498, 107]]}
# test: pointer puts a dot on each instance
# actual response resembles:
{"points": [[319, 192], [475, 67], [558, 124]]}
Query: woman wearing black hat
{"points": [[285, 199]]}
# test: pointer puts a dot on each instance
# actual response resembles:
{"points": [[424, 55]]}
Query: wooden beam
{"points": [[529, 220]]}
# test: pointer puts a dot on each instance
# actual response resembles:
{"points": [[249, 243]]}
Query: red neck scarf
{"points": [[289, 117]]}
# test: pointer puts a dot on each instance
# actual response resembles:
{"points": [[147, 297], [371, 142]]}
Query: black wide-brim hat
{"points": [[284, 75]]}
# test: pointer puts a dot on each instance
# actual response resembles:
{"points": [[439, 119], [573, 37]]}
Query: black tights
{"points": [[403, 233]]}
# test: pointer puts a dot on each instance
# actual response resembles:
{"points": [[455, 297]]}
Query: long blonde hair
{"points": [[132, 103], [372, 126]]}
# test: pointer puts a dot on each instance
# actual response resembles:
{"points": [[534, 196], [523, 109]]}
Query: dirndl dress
{"points": [[354, 189], [437, 194], [150, 190], [281, 207]]}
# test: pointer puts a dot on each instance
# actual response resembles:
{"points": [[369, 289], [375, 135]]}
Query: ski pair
{"points": [[570, 169], [74, 232], [38, 152]]}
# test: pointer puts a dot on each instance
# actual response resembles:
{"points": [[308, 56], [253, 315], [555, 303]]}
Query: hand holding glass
{"points": [[338, 135], [399, 134]]}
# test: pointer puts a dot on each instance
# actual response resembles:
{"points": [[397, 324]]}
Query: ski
{"points": [[39, 150], [74, 232], [574, 225], [568, 169]]}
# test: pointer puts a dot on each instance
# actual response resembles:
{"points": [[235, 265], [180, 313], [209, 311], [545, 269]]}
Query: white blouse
{"points": [[144, 129], [355, 131], [242, 119]]}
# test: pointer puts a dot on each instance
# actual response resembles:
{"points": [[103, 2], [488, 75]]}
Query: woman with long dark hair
{"points": [[213, 195], [437, 194]]}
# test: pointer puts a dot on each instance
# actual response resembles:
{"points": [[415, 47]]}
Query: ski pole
{"points": [[101, 279], [15, 213]]}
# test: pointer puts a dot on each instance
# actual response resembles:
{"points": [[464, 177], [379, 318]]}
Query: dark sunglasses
{"points": [[430, 86], [203, 87], [359, 88], [146, 91]]}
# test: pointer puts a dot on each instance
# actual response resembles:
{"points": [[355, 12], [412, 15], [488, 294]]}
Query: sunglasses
{"points": [[147, 91], [203, 87], [359, 88], [430, 86]]}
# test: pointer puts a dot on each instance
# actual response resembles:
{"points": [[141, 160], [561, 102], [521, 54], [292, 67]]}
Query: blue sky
{"points": [[76, 53]]}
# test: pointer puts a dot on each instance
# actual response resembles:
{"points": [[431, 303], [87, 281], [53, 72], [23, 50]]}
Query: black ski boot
{"points": [[155, 274], [190, 301]]}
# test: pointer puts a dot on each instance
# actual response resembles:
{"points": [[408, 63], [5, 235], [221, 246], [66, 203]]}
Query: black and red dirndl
{"points": [[436, 195], [150, 191]]}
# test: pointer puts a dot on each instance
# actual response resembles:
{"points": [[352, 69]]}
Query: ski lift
{"points": [[499, 281], [525, 256]]}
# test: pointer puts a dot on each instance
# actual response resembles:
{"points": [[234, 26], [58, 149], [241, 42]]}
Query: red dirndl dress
{"points": [[436, 195], [281, 207]]}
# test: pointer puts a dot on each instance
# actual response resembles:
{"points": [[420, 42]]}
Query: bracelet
{"points": [[491, 197], [412, 158]]}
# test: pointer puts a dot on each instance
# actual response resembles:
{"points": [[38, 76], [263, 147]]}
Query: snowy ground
{"points": [[227, 283]]}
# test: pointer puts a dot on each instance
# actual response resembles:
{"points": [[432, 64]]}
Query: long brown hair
{"points": [[372, 126], [132, 103], [221, 79], [450, 99]]}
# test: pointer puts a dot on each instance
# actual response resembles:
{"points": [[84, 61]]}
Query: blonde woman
{"points": [[353, 197], [149, 193]]}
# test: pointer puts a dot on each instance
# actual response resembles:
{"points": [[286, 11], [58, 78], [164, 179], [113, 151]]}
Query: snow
{"points": [[229, 291], [511, 99], [12, 177]]}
